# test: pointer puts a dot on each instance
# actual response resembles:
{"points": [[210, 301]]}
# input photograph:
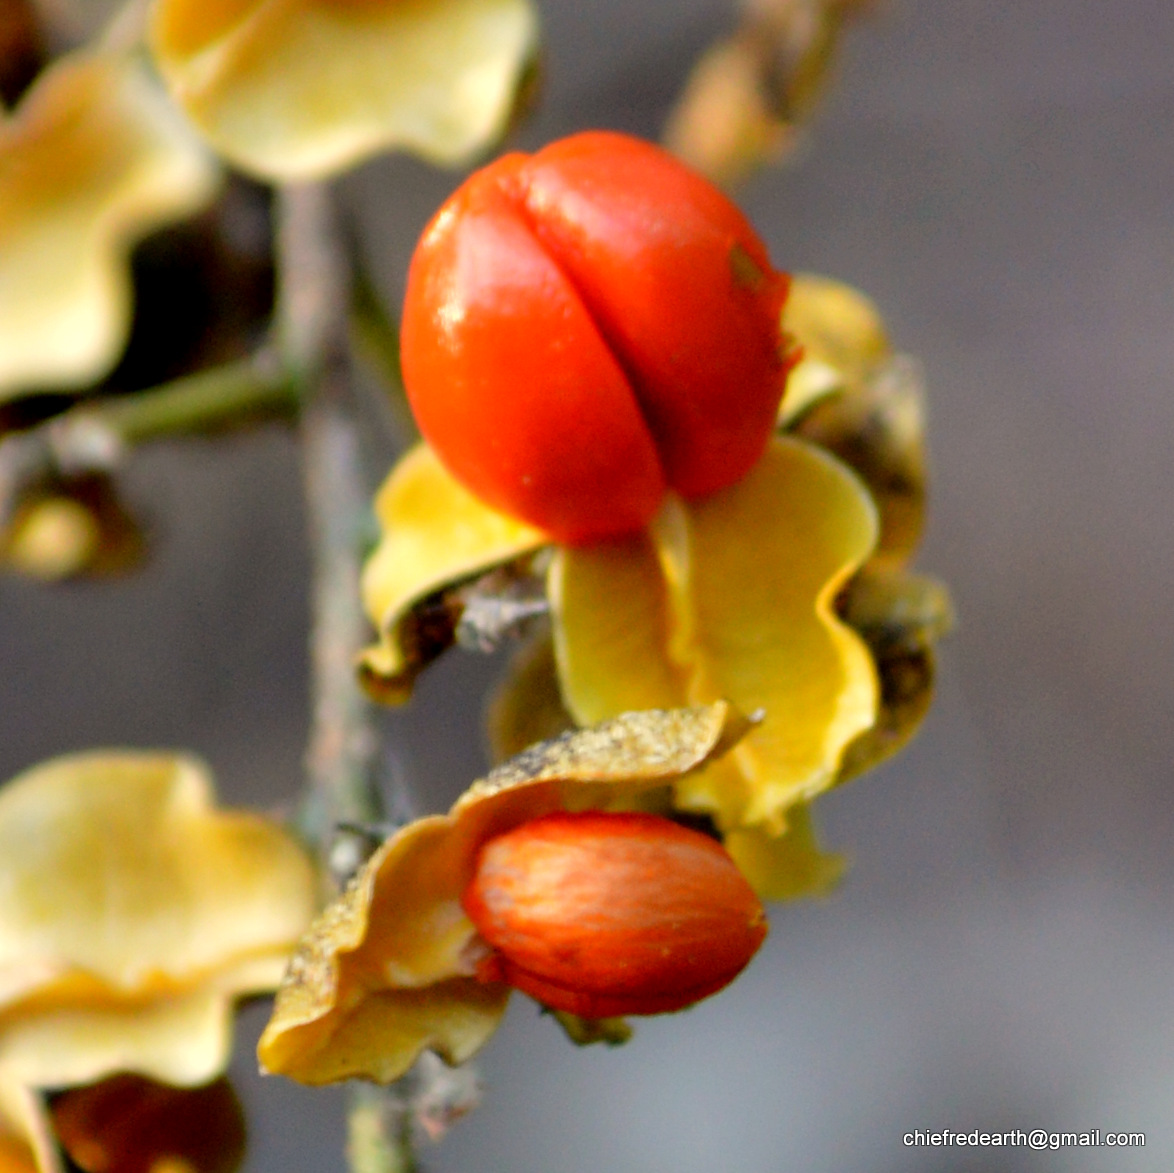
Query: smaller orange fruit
{"points": [[130, 1124], [607, 914]]}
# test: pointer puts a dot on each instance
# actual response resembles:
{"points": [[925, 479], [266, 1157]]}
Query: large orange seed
{"points": [[607, 914]]}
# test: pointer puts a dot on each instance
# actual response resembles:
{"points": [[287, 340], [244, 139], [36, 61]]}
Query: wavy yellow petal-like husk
{"points": [[132, 915], [117, 867], [435, 533], [93, 159], [731, 596], [851, 395], [387, 969], [182, 1040], [840, 336], [786, 866], [26, 1141], [301, 89]]}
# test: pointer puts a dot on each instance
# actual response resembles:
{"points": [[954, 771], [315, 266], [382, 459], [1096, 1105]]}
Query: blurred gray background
{"points": [[999, 176]]}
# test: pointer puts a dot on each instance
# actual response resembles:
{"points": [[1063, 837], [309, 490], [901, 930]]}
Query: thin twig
{"points": [[311, 320], [312, 304]]}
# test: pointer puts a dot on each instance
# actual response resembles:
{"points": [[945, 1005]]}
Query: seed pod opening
{"points": [[608, 914]]}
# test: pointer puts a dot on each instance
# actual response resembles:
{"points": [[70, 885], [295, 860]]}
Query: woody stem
{"points": [[311, 324]]}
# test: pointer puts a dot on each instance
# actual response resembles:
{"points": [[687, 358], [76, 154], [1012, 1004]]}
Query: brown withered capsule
{"points": [[608, 914]]}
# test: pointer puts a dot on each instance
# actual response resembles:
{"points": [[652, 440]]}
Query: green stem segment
{"points": [[379, 1131], [95, 436], [207, 402]]}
